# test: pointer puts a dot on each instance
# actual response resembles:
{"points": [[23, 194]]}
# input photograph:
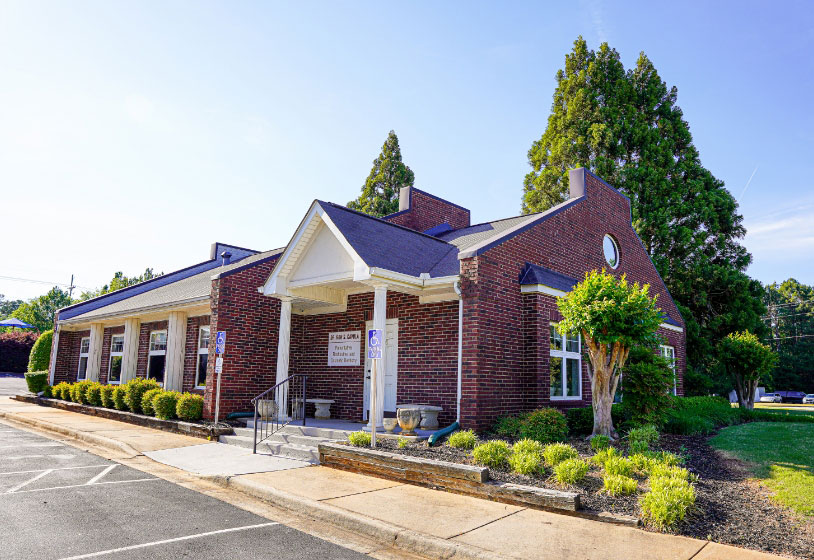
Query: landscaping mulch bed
{"points": [[731, 509]]}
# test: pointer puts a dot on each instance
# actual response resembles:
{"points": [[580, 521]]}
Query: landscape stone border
{"points": [[177, 426]]}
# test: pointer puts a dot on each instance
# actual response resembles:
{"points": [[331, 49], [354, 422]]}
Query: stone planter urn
{"points": [[409, 419], [266, 408], [429, 417], [389, 424]]}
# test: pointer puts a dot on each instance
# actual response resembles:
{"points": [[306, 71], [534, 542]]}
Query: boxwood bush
{"points": [[134, 391], [494, 454], [556, 453], [118, 397], [463, 439], [618, 485], [571, 471], [545, 425], [93, 394], [359, 439], [147, 401], [79, 390], [165, 403], [106, 394], [508, 427], [61, 391], [36, 380], [47, 392], [190, 407]]}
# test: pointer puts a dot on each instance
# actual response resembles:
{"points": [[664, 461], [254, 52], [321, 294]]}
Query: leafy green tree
{"points": [[612, 316], [380, 194], [118, 282], [626, 126], [7, 306], [647, 382], [790, 320], [746, 360], [41, 311]]}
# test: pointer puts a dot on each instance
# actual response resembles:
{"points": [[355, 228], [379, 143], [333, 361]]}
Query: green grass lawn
{"points": [[787, 407], [780, 454]]}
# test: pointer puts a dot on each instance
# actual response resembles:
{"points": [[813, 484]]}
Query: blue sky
{"points": [[136, 134]]}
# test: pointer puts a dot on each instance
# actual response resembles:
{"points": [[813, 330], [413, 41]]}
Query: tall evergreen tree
{"points": [[380, 194], [625, 126]]}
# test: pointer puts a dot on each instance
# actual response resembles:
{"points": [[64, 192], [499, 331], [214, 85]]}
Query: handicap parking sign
{"points": [[220, 342], [374, 344]]}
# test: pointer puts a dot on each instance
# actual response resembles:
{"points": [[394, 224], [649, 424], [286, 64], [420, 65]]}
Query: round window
{"points": [[611, 251]]}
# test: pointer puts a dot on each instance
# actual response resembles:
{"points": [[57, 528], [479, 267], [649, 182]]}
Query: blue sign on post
{"points": [[220, 342], [374, 344]]}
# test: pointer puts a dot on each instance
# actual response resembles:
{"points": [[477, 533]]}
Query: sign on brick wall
{"points": [[343, 348]]}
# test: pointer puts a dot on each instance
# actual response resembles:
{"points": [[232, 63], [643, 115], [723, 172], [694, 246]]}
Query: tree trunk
{"points": [[751, 386], [602, 401]]}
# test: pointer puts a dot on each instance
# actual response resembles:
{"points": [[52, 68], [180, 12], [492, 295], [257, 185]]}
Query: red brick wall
{"points": [[505, 372], [428, 211], [105, 367], [191, 352], [67, 357], [251, 321], [428, 354]]}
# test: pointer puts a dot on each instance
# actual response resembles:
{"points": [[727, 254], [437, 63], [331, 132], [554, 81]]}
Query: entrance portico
{"points": [[330, 260]]}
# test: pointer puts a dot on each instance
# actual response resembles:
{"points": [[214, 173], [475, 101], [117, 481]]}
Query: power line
{"points": [[30, 281], [797, 336]]}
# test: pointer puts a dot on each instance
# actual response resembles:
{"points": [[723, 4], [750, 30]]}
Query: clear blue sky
{"points": [[135, 134]]}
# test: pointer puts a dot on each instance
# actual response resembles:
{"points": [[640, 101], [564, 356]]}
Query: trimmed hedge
{"points": [[36, 380], [106, 394], [134, 391], [189, 407], [40, 357], [93, 394], [147, 401], [118, 397], [15, 348], [165, 403]]}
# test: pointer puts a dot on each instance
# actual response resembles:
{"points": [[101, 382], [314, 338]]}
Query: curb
{"points": [[382, 532], [86, 437]]}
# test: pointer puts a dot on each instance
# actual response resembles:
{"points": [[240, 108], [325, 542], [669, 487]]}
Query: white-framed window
{"points": [[157, 356], [84, 350], [610, 249], [203, 357], [669, 354], [114, 369], [566, 365]]}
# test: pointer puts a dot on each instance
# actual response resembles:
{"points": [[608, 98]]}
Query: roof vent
{"points": [[227, 257]]}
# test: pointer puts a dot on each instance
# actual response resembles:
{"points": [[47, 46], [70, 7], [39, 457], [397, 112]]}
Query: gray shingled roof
{"points": [[187, 290], [472, 235]]}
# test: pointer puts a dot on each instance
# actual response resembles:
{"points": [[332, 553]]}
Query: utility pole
{"points": [[70, 288]]}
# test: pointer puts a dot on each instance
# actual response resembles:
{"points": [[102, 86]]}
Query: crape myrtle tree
{"points": [[380, 194], [746, 360], [612, 316], [625, 126]]}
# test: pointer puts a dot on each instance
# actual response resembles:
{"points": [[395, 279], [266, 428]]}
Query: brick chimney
{"points": [[421, 211]]}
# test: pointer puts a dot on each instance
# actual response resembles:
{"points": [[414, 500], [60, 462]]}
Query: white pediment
{"points": [[324, 259]]}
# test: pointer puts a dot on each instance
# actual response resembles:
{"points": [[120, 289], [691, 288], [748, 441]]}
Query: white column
{"points": [[283, 350], [380, 323], [132, 328], [97, 337], [52, 364], [176, 349]]}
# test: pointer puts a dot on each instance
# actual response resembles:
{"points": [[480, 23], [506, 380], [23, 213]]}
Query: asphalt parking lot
{"points": [[59, 502], [11, 385]]}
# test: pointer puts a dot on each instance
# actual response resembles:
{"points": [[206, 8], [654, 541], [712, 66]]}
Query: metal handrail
{"points": [[279, 420]]}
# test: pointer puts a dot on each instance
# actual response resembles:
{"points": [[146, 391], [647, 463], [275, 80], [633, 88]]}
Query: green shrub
{"points": [[147, 401], [58, 389], [134, 391], [190, 407], [763, 415], [571, 471], [508, 427], [647, 434], [556, 453], [643, 462], [647, 382], [602, 456], [165, 403], [618, 485], [40, 357], [619, 466], [667, 502], [638, 447], [525, 462], [581, 420], [701, 415], [64, 391], [359, 439], [47, 392], [545, 425], [118, 397], [403, 442], [79, 390], [660, 470], [599, 442], [464, 439], [36, 380], [687, 423], [667, 458], [93, 394], [494, 454], [528, 446], [106, 394]]}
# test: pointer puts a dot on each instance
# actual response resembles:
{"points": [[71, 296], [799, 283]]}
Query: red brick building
{"points": [[469, 311]]}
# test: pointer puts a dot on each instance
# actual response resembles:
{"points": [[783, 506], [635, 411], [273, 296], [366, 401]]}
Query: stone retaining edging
{"points": [[175, 426]]}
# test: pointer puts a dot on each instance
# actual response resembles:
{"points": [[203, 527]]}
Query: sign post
{"points": [[220, 348], [374, 352]]}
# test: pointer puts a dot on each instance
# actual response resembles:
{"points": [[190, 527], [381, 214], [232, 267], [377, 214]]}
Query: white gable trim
{"points": [[541, 289], [671, 327]]}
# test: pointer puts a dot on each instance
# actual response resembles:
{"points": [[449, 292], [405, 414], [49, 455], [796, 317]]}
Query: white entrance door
{"points": [[391, 362]]}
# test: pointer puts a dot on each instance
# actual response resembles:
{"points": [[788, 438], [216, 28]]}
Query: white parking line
{"points": [[31, 445], [85, 485], [98, 477], [54, 469], [167, 541], [29, 481]]}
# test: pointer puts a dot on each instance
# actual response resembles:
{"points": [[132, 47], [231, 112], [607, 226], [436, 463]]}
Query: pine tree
{"points": [[380, 194], [626, 127]]}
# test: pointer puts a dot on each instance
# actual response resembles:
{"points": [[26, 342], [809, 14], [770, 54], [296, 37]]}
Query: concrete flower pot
{"points": [[389, 424], [409, 419]]}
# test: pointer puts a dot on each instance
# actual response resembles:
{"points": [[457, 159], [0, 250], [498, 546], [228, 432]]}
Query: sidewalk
{"points": [[423, 521]]}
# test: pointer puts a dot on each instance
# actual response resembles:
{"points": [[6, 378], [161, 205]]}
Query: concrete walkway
{"points": [[427, 522]]}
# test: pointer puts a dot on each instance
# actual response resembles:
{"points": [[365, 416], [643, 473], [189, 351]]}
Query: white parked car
{"points": [[808, 399], [771, 397]]}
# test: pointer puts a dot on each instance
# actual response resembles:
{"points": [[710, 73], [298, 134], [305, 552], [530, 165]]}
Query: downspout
{"points": [[457, 286]]}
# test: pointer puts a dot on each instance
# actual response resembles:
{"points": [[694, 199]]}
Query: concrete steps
{"points": [[294, 442]]}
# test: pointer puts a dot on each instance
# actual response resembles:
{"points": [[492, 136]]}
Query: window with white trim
{"points": [[84, 350], [157, 356], [203, 356], [669, 354], [114, 369], [566, 365]]}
